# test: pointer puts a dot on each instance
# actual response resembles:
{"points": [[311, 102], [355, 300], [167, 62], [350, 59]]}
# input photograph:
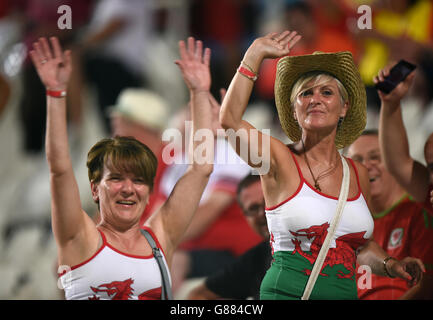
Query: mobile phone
{"points": [[396, 75]]}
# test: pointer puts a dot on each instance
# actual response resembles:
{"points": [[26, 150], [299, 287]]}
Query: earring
{"points": [[340, 122]]}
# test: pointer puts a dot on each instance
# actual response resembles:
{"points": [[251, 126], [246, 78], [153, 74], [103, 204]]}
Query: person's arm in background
{"points": [[410, 174], [208, 212], [408, 268], [218, 200]]}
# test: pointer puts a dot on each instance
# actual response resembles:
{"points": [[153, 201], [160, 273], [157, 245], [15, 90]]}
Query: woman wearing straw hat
{"points": [[320, 227]]}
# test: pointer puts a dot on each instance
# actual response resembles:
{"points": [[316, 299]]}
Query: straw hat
{"points": [[142, 106], [341, 66]]}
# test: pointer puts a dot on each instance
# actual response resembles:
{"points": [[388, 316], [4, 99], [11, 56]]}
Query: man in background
{"points": [[242, 278], [402, 227]]}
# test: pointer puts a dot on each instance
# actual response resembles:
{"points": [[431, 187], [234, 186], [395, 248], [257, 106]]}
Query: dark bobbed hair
{"points": [[122, 154]]}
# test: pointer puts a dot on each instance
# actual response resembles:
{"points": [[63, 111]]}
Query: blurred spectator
{"points": [[219, 231], [142, 114], [401, 29], [225, 26], [412, 175], [40, 18], [401, 226], [242, 278], [114, 49], [302, 17]]}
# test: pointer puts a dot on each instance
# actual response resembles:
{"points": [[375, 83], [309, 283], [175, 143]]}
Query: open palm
{"points": [[53, 66], [275, 45], [194, 64]]}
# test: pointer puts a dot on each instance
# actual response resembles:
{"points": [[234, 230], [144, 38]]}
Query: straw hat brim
{"points": [[341, 66]]}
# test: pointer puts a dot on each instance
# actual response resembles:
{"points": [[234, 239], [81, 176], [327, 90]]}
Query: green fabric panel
{"points": [[287, 278]]}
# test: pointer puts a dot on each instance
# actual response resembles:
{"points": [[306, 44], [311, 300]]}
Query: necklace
{"points": [[322, 175]]}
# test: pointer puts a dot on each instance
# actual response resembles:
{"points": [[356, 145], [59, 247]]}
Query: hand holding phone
{"points": [[396, 75]]}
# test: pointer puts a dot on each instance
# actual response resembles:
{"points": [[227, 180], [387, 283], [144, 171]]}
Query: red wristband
{"points": [[56, 94], [247, 73]]}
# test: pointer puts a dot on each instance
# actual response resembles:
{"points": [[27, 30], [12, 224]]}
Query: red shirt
{"points": [[427, 203], [404, 230]]}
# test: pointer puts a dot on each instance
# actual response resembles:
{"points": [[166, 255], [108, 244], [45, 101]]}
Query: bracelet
{"points": [[252, 70], [56, 94], [247, 73], [384, 266]]}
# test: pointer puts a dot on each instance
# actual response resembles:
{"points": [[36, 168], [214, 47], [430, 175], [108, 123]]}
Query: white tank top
{"points": [[113, 275], [303, 220]]}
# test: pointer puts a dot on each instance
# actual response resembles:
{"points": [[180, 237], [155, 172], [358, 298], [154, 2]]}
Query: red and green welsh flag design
{"points": [[343, 254]]}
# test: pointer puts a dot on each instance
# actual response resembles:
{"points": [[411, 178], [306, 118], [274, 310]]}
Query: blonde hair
{"points": [[317, 78]]}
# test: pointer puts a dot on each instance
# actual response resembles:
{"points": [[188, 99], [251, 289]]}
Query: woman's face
{"points": [[122, 197], [320, 107]]}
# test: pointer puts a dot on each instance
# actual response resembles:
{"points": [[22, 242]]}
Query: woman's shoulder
{"points": [[286, 156], [284, 177]]}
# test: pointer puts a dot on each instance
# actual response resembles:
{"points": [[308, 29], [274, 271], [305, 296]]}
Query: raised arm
{"points": [[410, 174], [172, 220], [54, 69], [272, 45]]}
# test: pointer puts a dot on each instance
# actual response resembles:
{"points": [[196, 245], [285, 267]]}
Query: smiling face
{"points": [[319, 101], [121, 174], [122, 196], [366, 150]]}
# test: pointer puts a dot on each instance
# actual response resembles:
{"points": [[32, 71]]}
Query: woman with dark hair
{"points": [[113, 260]]}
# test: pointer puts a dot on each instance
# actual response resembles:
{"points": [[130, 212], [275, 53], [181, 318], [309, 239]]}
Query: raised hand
{"points": [[395, 96], [53, 66], [194, 64], [273, 45]]}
